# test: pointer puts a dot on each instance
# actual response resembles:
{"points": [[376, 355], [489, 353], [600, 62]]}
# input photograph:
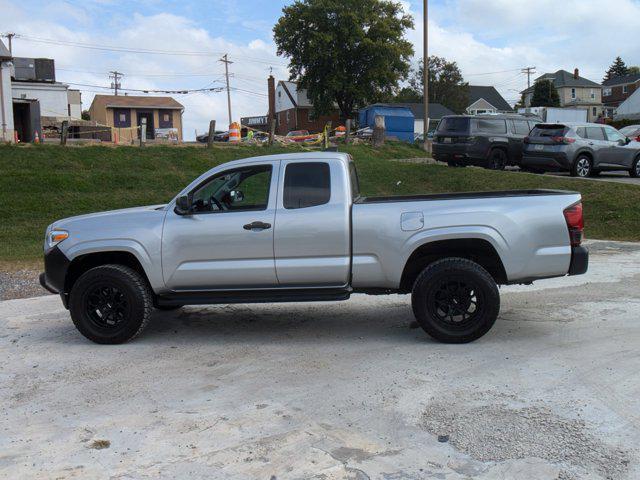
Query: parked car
{"points": [[490, 141], [300, 136], [583, 149], [294, 227], [632, 132], [219, 136]]}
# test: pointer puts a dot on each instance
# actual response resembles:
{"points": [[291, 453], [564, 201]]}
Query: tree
{"points": [[634, 70], [545, 95], [446, 84], [85, 115], [345, 52], [617, 69], [407, 95]]}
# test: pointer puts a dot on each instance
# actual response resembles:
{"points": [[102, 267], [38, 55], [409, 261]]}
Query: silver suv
{"points": [[584, 149]]}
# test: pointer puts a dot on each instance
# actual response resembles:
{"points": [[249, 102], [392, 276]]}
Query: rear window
{"points": [[487, 125], [454, 124], [306, 185], [549, 131], [595, 133]]}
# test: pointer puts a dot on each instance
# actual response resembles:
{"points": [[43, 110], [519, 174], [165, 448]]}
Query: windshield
{"points": [[631, 130]]}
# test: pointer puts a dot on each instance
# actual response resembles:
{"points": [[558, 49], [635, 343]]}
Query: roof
{"points": [[562, 78], [436, 110], [491, 95], [622, 80], [4, 52], [396, 109], [133, 101], [298, 96]]}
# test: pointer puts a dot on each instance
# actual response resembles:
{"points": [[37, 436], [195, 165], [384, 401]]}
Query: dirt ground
{"points": [[334, 390]]}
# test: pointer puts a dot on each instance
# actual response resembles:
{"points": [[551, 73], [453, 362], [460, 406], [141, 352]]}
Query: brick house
{"points": [[162, 115], [617, 89], [294, 110], [574, 91]]}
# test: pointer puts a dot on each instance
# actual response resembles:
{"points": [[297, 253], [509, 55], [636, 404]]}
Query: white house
{"points": [[53, 97], [630, 108], [6, 103]]}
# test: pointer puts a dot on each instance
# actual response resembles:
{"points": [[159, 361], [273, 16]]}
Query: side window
{"points": [[581, 132], [234, 190], [521, 127], [306, 185], [595, 133], [613, 135], [483, 125]]}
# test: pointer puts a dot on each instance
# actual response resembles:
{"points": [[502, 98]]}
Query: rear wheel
{"points": [[110, 304], [635, 168], [455, 300], [452, 164], [582, 167], [497, 159]]}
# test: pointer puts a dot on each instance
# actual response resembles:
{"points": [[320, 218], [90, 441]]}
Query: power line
{"points": [[177, 92], [529, 71], [226, 61]]}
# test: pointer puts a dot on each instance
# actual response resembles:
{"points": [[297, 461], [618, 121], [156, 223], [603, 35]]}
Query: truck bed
{"points": [[462, 196]]}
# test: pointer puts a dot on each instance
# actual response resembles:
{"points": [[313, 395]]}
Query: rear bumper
{"points": [[548, 161], [579, 261], [462, 154]]}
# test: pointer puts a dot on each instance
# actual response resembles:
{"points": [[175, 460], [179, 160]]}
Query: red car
{"points": [[632, 132]]}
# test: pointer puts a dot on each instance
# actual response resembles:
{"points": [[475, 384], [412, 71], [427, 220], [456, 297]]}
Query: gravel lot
{"points": [[332, 391]]}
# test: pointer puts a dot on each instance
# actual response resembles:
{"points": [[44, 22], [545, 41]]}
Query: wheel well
{"points": [[503, 148], [476, 250], [586, 153], [86, 262]]}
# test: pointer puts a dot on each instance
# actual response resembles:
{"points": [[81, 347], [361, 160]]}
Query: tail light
{"points": [[575, 223], [563, 140]]}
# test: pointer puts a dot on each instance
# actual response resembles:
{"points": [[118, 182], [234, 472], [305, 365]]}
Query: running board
{"points": [[253, 296]]}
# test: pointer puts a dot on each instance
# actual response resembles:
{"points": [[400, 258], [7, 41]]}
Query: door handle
{"points": [[257, 226]]}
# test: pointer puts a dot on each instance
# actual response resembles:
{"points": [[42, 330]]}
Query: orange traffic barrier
{"points": [[234, 132], [36, 137]]}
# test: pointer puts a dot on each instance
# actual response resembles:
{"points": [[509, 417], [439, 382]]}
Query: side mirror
{"points": [[627, 141], [183, 205], [236, 196]]}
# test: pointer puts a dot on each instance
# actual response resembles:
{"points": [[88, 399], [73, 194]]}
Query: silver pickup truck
{"points": [[293, 228]]}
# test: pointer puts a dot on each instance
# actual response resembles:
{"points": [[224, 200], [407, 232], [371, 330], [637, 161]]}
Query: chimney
{"points": [[271, 86], [576, 74]]}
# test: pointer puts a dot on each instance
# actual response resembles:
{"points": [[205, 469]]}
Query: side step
{"points": [[219, 297]]}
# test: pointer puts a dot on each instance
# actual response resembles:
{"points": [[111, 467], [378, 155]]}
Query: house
{"points": [[618, 89], [294, 111], [486, 100], [630, 108], [6, 103], [574, 92], [161, 115], [436, 112]]}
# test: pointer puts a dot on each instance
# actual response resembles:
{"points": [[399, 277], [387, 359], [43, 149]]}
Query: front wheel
{"points": [[110, 304], [635, 169], [455, 300]]}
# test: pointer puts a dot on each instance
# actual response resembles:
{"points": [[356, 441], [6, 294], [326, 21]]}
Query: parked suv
{"points": [[491, 141], [584, 149]]}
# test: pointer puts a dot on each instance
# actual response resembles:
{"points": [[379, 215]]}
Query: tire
{"points": [[449, 286], [92, 300], [582, 167], [452, 164], [497, 159], [168, 308], [635, 168]]}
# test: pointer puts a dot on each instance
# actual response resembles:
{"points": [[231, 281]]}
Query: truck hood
{"points": [[109, 218]]}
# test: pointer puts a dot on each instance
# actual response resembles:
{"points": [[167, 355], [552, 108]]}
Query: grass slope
{"points": [[41, 184]]}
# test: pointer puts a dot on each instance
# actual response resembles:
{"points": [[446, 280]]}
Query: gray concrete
{"points": [[332, 391], [616, 177]]}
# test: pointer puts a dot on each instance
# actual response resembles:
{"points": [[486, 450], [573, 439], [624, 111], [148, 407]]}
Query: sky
{"points": [[491, 40]]}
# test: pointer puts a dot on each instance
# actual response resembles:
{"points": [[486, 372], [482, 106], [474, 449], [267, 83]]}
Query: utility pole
{"points": [[529, 71], [115, 75], [9, 38], [425, 92], [226, 62]]}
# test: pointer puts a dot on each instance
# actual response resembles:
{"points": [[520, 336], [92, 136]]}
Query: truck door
{"points": [[227, 239], [312, 241]]}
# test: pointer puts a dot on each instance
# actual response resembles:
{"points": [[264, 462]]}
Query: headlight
{"points": [[54, 237]]}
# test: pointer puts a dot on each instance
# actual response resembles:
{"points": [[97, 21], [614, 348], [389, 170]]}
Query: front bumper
{"points": [[579, 261], [56, 265]]}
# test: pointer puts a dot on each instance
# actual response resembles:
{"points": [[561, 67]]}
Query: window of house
{"points": [[606, 92], [306, 185], [625, 89], [593, 94], [121, 117], [287, 115], [595, 112], [573, 93]]}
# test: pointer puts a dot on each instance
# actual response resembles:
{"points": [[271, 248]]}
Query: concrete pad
{"points": [[334, 390]]}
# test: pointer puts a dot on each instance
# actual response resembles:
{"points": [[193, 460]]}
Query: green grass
{"points": [[40, 184]]}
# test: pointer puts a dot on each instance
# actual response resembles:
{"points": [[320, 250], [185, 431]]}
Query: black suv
{"points": [[490, 141]]}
